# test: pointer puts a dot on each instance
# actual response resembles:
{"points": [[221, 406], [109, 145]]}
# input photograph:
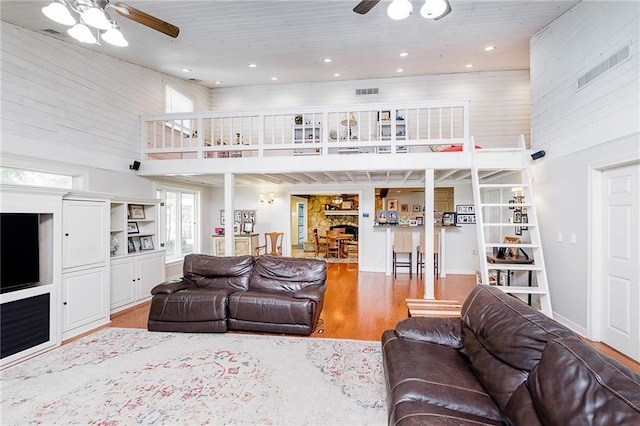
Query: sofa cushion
{"points": [[196, 304], [270, 307], [520, 410], [575, 385], [218, 272], [442, 331], [504, 339], [434, 374], [418, 413], [287, 273]]}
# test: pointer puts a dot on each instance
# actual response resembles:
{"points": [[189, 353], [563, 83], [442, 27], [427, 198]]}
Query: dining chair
{"points": [[333, 244], [420, 253], [402, 246], [272, 244], [321, 242]]}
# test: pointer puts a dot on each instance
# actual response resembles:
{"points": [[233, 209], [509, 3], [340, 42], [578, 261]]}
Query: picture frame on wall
{"points": [[416, 207], [525, 219], [404, 208], [136, 211], [384, 116], [518, 230], [222, 217], [392, 205], [382, 217], [449, 219], [393, 217], [466, 209], [420, 220]]}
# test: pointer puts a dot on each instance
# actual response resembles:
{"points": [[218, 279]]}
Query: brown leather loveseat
{"points": [[265, 294], [502, 362]]}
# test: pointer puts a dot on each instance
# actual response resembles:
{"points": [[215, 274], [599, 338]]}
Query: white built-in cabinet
{"points": [[243, 245], [85, 263], [137, 251]]}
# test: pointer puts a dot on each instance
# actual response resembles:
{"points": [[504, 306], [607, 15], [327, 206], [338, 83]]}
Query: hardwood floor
{"points": [[362, 305]]}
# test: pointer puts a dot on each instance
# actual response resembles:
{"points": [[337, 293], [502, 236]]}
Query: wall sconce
{"points": [[267, 200]]}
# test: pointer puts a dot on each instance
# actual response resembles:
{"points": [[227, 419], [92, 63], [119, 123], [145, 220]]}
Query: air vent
{"points": [[372, 91], [605, 66]]}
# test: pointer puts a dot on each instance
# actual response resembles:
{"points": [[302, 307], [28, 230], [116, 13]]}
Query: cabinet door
{"points": [[123, 282], [84, 297], [151, 272], [218, 247], [85, 231], [242, 246]]}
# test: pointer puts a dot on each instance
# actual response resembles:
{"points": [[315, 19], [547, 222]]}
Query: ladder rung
{"points": [[508, 224], [522, 290], [523, 245], [512, 267]]}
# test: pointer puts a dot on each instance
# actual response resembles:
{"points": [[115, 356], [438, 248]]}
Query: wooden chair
{"points": [[321, 242], [402, 246], [333, 244], [272, 244]]}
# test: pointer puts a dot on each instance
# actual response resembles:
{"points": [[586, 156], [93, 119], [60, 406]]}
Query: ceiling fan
{"points": [[400, 9], [95, 14]]}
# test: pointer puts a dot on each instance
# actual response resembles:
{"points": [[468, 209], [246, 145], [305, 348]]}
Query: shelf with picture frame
{"points": [[133, 220]]}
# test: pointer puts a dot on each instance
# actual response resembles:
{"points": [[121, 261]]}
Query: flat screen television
{"points": [[19, 251]]}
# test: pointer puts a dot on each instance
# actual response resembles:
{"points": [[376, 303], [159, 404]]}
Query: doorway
{"points": [[615, 291]]}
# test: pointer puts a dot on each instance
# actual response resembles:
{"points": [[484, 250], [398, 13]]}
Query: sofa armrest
{"points": [[315, 293], [442, 331], [172, 286]]}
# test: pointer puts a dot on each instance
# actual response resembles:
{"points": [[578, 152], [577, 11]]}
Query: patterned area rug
{"points": [[131, 376]]}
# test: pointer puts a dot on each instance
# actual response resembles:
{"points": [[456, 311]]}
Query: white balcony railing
{"points": [[352, 129]]}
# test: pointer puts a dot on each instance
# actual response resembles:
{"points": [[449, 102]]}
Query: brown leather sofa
{"points": [[264, 294], [502, 362]]}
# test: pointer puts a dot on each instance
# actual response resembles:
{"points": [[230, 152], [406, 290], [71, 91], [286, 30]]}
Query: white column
{"points": [[229, 191], [429, 284]]}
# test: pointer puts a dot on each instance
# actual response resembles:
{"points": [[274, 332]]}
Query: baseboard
{"points": [[570, 324]]}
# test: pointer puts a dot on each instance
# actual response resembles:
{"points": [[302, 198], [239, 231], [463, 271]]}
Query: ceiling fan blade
{"points": [[365, 6], [146, 19]]}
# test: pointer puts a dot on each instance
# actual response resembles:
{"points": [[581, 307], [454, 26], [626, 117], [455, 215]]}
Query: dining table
{"points": [[342, 237]]}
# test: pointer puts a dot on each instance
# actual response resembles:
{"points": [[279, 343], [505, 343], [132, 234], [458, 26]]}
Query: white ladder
{"points": [[493, 180]]}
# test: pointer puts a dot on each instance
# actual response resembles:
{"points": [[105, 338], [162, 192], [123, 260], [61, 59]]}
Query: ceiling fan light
{"points": [[96, 18], [435, 9], [114, 36], [82, 33], [59, 13], [399, 9]]}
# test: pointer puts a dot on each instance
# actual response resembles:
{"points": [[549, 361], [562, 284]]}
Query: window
{"points": [[175, 101], [18, 176], [179, 221]]}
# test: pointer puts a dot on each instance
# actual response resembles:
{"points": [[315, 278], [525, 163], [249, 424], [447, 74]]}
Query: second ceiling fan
{"points": [[400, 9]]}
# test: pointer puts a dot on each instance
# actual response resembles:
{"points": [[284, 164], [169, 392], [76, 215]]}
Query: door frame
{"points": [[596, 239]]}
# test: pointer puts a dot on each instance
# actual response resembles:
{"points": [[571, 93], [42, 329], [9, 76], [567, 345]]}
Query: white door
{"points": [[621, 259]]}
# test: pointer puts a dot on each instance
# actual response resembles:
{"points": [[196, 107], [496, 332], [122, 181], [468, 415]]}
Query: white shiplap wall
{"points": [[576, 129], [499, 108], [63, 102]]}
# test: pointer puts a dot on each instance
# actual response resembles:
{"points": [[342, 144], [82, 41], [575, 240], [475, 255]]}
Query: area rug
{"points": [[130, 376]]}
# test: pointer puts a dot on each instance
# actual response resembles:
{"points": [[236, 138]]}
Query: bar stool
{"points": [[420, 254], [402, 245]]}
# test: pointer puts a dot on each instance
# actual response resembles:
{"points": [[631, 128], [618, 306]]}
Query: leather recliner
{"points": [[264, 294]]}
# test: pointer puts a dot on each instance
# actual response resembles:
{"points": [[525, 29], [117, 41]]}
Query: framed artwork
{"points": [[130, 246], [404, 208], [449, 219], [384, 116], [136, 211], [512, 202], [465, 218], [416, 208], [420, 220], [132, 228], [525, 219], [222, 217], [413, 222], [517, 217], [518, 230], [392, 205], [381, 217], [237, 216], [146, 243], [465, 209], [393, 216]]}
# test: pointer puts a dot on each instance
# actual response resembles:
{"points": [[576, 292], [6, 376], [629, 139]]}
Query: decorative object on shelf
{"points": [[114, 245], [384, 116], [392, 205], [337, 200], [269, 199], [382, 217], [333, 134], [136, 211], [146, 243], [525, 219], [349, 120], [416, 208], [392, 217], [131, 248], [420, 220], [298, 119], [449, 219], [132, 228]]}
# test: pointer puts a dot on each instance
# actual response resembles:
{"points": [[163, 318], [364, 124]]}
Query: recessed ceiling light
{"points": [[274, 78], [253, 66], [327, 60], [399, 70], [186, 69], [403, 54], [337, 74], [469, 66], [490, 48]]}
